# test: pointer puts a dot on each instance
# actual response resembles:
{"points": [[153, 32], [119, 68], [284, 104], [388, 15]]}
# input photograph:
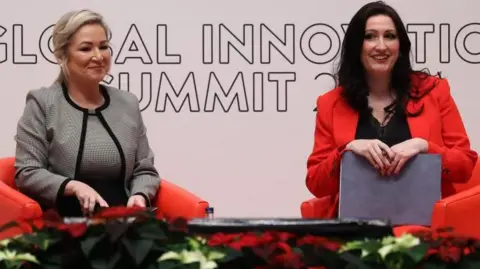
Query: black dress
{"points": [[395, 131]]}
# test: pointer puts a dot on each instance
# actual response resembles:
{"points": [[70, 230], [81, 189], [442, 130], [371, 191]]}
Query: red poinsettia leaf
{"points": [[178, 225], [52, 216], [288, 260], [119, 212], [222, 239], [319, 242], [247, 240], [283, 248], [74, 229], [266, 238], [449, 253], [284, 236]]}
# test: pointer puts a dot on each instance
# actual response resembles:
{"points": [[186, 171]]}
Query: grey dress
{"points": [[107, 148]]}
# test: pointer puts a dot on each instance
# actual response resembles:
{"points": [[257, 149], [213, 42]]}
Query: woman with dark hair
{"points": [[383, 110]]}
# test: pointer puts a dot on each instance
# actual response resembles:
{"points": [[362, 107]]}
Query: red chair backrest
{"points": [[472, 182], [7, 171]]}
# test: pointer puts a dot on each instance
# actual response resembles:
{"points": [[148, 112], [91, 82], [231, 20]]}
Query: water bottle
{"points": [[209, 212]]}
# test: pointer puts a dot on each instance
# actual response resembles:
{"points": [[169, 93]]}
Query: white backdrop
{"points": [[228, 88]]}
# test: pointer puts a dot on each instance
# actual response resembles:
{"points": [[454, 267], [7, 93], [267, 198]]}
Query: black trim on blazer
{"points": [[61, 190], [147, 200], [103, 91], [83, 136], [117, 144]]}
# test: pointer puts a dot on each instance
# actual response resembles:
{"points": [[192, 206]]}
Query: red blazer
{"points": [[440, 124]]}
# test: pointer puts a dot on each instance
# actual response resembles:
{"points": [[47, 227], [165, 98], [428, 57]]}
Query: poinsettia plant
{"points": [[134, 238]]}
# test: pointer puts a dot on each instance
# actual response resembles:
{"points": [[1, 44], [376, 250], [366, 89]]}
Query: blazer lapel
{"points": [[419, 125], [345, 121]]}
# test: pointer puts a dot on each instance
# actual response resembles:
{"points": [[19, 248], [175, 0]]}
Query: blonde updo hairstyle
{"points": [[64, 30]]}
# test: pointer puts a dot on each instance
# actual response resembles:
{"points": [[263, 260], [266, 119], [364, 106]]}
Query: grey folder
{"points": [[406, 199]]}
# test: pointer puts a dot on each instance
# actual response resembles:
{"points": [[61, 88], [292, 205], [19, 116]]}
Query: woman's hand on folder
{"points": [[404, 151], [375, 151]]}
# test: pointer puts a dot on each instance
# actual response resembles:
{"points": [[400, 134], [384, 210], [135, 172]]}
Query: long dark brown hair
{"points": [[350, 73]]}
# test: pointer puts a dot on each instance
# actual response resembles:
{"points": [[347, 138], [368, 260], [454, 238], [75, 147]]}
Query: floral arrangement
{"points": [[132, 238]]}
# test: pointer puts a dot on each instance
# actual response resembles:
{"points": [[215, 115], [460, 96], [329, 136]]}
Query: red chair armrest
{"points": [[316, 207], [459, 211], [16, 206], [173, 202]]}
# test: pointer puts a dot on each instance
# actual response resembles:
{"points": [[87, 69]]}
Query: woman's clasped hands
{"points": [[387, 160]]}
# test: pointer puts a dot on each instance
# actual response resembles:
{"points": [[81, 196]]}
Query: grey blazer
{"points": [[56, 139]]}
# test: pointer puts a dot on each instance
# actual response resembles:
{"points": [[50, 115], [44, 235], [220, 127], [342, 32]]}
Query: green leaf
{"points": [[467, 263], [51, 266], [54, 260], [434, 265], [88, 244], [151, 230], [42, 240], [230, 255], [107, 262], [154, 265], [114, 260], [116, 231], [95, 230], [138, 249], [176, 247], [417, 253], [11, 264], [167, 264], [367, 247], [99, 263], [372, 257], [398, 260], [193, 265], [354, 260]]}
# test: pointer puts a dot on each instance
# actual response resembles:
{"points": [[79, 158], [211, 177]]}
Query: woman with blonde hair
{"points": [[81, 144]]}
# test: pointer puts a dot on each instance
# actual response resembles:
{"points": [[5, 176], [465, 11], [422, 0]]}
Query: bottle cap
{"points": [[209, 210]]}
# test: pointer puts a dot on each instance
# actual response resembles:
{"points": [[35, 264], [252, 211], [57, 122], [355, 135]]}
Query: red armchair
{"points": [[172, 201], [459, 210]]}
